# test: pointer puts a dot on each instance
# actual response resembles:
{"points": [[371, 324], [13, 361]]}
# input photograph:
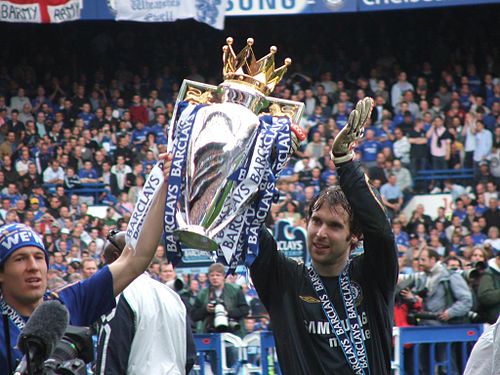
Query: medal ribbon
{"points": [[351, 341]]}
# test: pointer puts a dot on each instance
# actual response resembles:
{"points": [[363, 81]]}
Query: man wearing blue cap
{"points": [[23, 278]]}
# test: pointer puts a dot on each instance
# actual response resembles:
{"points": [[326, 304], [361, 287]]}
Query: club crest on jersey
{"points": [[357, 292]]}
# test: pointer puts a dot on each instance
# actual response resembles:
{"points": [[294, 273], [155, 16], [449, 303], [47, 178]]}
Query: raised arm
{"points": [[380, 249], [131, 264]]}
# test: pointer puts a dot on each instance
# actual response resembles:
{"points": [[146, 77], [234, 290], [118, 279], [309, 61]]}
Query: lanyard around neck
{"points": [[351, 339]]}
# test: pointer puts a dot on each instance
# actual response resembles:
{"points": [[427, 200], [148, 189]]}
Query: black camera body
{"points": [[72, 353]]}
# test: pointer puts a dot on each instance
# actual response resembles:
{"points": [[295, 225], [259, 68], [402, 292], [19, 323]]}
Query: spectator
{"points": [[8, 147], [492, 214], [53, 174], [440, 147], [493, 238], [403, 178], [399, 88], [483, 140], [489, 290], [220, 292], [226, 299], [167, 272], [369, 149], [447, 295], [402, 147], [88, 267], [120, 170], [378, 172], [419, 148], [71, 180], [88, 174], [392, 196]]}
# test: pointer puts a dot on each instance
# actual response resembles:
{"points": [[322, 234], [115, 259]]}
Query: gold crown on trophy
{"points": [[246, 69]]}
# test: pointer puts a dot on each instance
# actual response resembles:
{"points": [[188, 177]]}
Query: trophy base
{"points": [[194, 237]]}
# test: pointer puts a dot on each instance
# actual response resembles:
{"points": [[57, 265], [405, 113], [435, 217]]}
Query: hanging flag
{"points": [[211, 12], [40, 11]]}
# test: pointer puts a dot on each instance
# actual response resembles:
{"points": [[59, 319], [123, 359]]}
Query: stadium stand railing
{"points": [[257, 355], [462, 174], [87, 189]]}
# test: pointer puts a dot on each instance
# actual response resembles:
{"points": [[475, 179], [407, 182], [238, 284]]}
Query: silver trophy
{"points": [[223, 139]]}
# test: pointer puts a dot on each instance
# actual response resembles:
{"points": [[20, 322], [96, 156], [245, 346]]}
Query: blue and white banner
{"points": [[146, 197], [371, 5], [281, 7], [97, 10], [291, 240], [211, 12]]}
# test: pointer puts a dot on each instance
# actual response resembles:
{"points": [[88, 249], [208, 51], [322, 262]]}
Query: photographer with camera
{"points": [[489, 290], [446, 299], [220, 308]]}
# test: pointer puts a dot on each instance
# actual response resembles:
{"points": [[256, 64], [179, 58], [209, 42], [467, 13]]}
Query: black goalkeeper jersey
{"points": [[305, 342]]}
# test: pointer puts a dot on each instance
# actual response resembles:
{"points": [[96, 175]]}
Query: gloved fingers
{"points": [[353, 122], [366, 109]]}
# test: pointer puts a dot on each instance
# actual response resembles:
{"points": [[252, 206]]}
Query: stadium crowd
{"points": [[67, 144]]}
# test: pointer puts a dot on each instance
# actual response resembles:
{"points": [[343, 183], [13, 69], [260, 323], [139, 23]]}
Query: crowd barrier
{"points": [[229, 354], [444, 174], [255, 353], [89, 189], [451, 338]]}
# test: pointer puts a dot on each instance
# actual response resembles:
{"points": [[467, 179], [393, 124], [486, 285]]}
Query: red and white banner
{"points": [[40, 11]]}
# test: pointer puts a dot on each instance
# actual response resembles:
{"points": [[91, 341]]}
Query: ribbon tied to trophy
{"points": [[228, 143]]}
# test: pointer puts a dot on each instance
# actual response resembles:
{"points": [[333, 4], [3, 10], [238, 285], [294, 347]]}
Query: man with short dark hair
{"points": [[445, 294], [335, 317]]}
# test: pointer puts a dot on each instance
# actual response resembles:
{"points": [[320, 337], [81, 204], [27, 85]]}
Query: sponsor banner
{"points": [[292, 241], [40, 11], [146, 197], [280, 7], [98, 10], [211, 12], [370, 5]]}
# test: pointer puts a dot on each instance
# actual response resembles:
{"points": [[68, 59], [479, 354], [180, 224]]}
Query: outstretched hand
{"points": [[344, 142]]}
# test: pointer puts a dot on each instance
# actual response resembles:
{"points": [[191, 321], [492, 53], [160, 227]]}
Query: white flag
{"points": [[211, 12]]}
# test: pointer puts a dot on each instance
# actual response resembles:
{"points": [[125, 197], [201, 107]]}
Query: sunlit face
{"points": [[477, 256], [328, 235], [425, 263], [167, 273], [88, 269], [24, 278]]}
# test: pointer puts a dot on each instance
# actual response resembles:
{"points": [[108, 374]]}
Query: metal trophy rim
{"points": [[197, 236]]}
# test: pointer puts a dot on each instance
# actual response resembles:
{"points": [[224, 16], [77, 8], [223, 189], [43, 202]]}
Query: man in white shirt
{"points": [[53, 174], [149, 332], [399, 88]]}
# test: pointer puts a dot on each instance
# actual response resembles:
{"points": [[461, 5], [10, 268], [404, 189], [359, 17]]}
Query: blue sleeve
{"points": [[89, 299]]}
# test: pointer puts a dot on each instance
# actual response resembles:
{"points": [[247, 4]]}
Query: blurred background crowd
{"points": [[85, 109]]}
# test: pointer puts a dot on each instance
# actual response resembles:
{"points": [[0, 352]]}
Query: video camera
{"points": [[71, 354]]}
